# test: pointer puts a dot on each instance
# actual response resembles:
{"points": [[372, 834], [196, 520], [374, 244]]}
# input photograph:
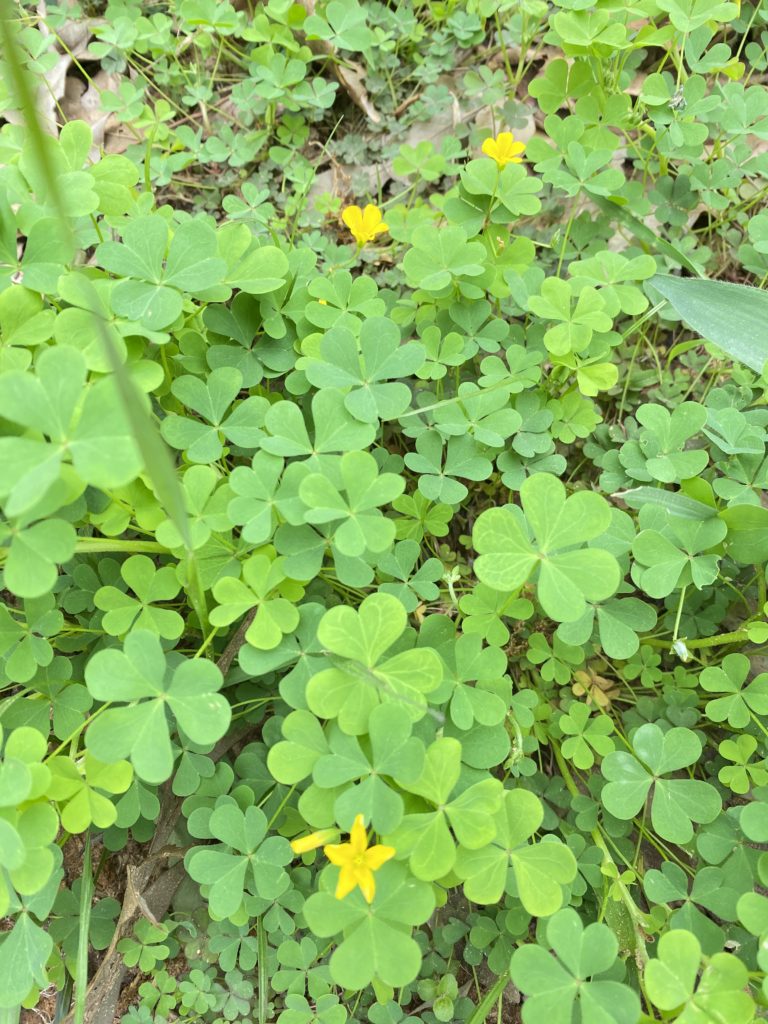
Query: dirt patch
{"points": [[45, 1009]]}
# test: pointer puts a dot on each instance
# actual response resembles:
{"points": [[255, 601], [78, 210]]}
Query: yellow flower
{"points": [[364, 224], [504, 150], [357, 862], [311, 842]]}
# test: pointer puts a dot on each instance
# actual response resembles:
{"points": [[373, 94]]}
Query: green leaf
{"points": [[425, 838], [439, 257], [88, 424], [25, 644], [671, 983], [343, 24], [35, 553], [464, 458], [739, 700], [150, 585], [245, 861], [585, 734], [211, 400], [23, 955], [370, 372], [676, 803], [376, 940], [335, 429], [709, 891], [567, 574], [619, 621], [394, 754], [263, 585], [80, 791], [140, 678], [576, 323], [687, 15], [680, 556], [540, 870], [293, 758], [153, 273], [254, 507], [732, 316], [362, 677], [582, 972], [361, 525]]}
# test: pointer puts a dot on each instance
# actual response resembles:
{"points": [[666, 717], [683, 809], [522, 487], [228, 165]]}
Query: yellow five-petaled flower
{"points": [[364, 224], [504, 149], [357, 862]]}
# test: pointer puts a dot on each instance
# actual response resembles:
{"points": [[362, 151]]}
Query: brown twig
{"points": [[236, 641]]}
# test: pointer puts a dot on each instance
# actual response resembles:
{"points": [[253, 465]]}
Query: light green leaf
{"points": [[567, 573]]}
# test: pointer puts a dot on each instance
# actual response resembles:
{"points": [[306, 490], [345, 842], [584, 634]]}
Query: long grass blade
{"points": [[63, 999], [263, 973], [84, 924], [491, 997], [157, 459]]}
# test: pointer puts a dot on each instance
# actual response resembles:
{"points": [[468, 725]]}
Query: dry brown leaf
{"points": [[83, 103], [597, 689], [349, 75]]}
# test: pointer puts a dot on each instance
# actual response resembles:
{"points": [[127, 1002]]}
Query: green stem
{"points": [[679, 615], [503, 45], [73, 735], [566, 236], [635, 913], [758, 723], [738, 636], [102, 545]]}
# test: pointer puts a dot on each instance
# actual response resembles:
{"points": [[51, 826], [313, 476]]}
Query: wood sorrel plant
{"points": [[383, 580]]}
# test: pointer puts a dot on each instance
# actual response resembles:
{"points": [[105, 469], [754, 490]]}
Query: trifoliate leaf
{"points": [[567, 574], [139, 677]]}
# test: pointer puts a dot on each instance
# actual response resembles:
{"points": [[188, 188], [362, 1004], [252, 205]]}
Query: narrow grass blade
{"points": [[263, 979], [489, 1000], [84, 924], [63, 999], [157, 459]]}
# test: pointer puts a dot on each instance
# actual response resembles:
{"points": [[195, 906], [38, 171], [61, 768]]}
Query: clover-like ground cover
{"points": [[383, 533]]}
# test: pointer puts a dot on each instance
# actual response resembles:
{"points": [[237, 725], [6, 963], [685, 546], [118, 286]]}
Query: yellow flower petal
{"points": [[371, 217], [339, 855], [358, 838], [378, 855], [353, 218], [356, 862], [303, 844], [504, 149], [367, 884], [365, 224], [346, 883], [489, 148]]}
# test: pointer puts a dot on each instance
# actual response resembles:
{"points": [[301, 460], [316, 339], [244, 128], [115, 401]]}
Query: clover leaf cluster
{"points": [[383, 587]]}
